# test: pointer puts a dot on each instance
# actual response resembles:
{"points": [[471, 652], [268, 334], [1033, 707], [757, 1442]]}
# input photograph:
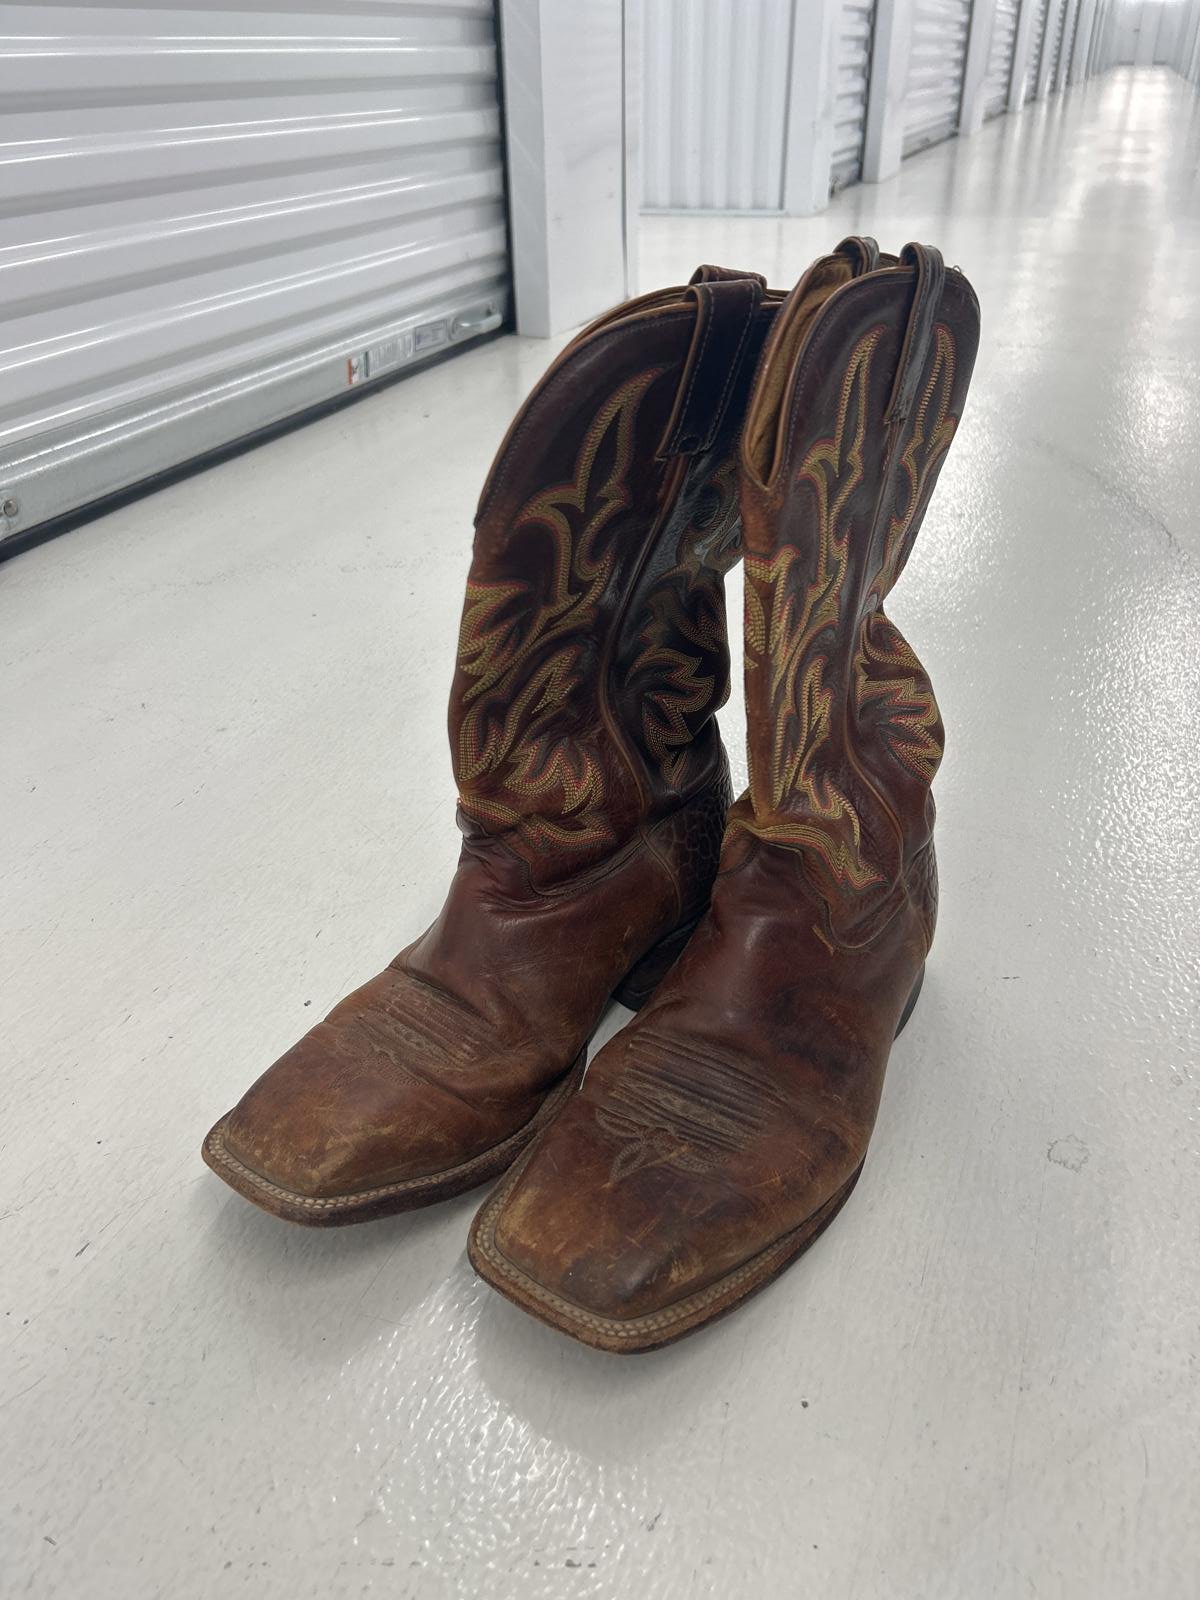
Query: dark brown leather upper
{"points": [[593, 785], [740, 1101], [593, 649]]}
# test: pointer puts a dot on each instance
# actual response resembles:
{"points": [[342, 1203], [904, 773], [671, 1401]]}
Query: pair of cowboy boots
{"points": [[772, 947]]}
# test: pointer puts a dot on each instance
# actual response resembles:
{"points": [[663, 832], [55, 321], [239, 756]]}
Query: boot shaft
{"points": [[593, 651], [857, 399]]}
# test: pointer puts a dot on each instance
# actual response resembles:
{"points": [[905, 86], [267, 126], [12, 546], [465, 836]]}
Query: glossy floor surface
{"points": [[226, 798]]}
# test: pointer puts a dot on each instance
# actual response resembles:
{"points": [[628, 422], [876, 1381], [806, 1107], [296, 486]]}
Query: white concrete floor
{"points": [[226, 798]]}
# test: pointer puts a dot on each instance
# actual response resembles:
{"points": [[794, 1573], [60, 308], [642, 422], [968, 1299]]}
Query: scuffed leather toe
{"points": [[591, 1246], [391, 1100], [581, 1228], [664, 1194], [337, 1114]]}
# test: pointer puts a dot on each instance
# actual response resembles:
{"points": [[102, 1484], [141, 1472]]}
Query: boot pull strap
{"points": [[861, 251], [725, 311], [923, 308], [725, 275]]}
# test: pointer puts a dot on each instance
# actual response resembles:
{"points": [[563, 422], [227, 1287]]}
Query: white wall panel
{"points": [[214, 216], [1076, 44], [856, 22], [1085, 25], [572, 148], [886, 103], [1151, 33], [1189, 60], [1147, 47], [975, 67], [1127, 32], [1169, 39], [714, 118]]}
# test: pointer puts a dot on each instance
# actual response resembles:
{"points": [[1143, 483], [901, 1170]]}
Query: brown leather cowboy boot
{"points": [[718, 1134], [592, 778]]}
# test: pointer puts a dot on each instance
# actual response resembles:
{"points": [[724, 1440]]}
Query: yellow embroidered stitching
{"points": [[503, 628]]}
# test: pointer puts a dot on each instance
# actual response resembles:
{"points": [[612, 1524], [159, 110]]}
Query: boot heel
{"points": [[911, 1003], [640, 982]]}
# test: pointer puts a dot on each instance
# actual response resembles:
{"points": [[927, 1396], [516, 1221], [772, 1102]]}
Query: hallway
{"points": [[227, 800]]}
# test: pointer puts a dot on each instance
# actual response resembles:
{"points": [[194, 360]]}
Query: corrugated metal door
{"points": [[856, 26], [1059, 23], [1036, 49], [216, 216], [933, 89], [1000, 57], [714, 103]]}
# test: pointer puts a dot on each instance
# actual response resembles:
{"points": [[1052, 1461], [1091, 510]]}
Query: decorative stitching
{"points": [[800, 798], [552, 380], [686, 606], [536, 778]]}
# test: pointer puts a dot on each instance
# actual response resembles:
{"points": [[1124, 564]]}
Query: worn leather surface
{"points": [[740, 1101], [593, 785]]}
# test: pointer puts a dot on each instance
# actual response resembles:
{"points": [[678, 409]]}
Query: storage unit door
{"points": [[217, 215], [1038, 46], [855, 29], [714, 103], [933, 88], [1058, 23], [1000, 57]]}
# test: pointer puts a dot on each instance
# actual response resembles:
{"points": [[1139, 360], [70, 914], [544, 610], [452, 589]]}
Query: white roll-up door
{"points": [[714, 103], [933, 88], [1036, 49], [856, 25], [1000, 57], [1058, 22], [219, 215]]}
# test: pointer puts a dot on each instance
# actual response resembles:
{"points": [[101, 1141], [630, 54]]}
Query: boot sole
{"points": [[336, 1211], [640, 1335]]}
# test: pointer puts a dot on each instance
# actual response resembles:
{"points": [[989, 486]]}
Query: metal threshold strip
{"points": [[49, 476]]}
